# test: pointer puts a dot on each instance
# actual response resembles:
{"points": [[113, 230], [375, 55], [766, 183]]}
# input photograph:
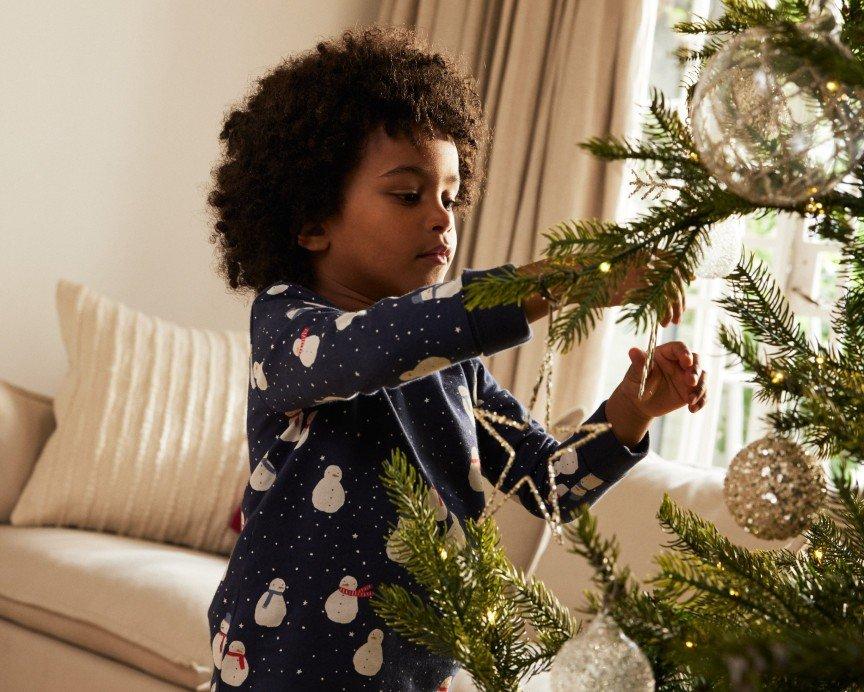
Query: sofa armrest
{"points": [[26, 423]]}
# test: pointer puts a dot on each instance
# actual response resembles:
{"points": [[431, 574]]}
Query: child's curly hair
{"points": [[292, 145]]}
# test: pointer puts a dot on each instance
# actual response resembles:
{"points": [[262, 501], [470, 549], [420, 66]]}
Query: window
{"points": [[803, 265]]}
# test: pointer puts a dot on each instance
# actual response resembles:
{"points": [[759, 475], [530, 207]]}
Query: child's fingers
{"points": [[699, 391], [677, 352]]}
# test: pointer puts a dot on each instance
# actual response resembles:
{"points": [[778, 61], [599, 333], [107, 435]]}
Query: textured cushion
{"points": [[151, 428], [26, 421], [131, 600]]}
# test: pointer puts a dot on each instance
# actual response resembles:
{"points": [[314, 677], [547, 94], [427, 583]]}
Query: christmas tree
{"points": [[774, 126]]}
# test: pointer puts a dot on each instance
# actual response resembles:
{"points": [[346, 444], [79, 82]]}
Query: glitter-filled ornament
{"points": [[771, 125], [773, 488], [601, 657], [723, 251]]}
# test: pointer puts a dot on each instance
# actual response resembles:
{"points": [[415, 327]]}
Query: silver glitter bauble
{"points": [[772, 126], [601, 657], [773, 488], [723, 251]]}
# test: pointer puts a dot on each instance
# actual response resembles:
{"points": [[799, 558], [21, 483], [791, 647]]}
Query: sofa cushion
{"points": [[628, 511], [136, 601], [26, 421], [151, 428]]}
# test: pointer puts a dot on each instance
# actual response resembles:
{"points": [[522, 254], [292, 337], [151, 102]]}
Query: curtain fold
{"points": [[550, 73]]}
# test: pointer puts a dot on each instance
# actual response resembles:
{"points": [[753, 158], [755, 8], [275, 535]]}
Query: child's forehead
{"points": [[384, 153]]}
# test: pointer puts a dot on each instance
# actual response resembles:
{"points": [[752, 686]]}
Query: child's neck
{"points": [[342, 296]]}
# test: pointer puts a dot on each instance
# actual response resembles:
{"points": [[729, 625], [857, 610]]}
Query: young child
{"points": [[336, 207]]}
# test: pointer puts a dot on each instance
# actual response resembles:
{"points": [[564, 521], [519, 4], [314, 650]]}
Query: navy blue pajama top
{"points": [[331, 393]]}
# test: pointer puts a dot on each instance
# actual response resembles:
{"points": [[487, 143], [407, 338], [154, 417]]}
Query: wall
{"points": [[110, 118]]}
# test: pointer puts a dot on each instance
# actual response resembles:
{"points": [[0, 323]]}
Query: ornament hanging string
{"points": [[591, 430]]}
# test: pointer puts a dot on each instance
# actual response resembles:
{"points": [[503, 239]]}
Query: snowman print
{"points": [[271, 609], [395, 549], [220, 639], [455, 532], [586, 483], [424, 367], [435, 503], [369, 657], [295, 426], [465, 397], [306, 347], [257, 380], [347, 318], [328, 494], [341, 606], [445, 290], [263, 476], [475, 472], [235, 667], [567, 463]]}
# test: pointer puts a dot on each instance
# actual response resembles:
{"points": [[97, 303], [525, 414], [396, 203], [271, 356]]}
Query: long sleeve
{"points": [[305, 352], [583, 474]]}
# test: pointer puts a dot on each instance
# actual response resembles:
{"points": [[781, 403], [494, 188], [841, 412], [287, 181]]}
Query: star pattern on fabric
{"points": [[324, 460]]}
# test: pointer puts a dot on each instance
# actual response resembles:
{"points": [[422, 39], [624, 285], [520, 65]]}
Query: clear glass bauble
{"points": [[601, 657], [772, 126]]}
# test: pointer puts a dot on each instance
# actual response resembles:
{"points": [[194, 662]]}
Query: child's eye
{"points": [[415, 197]]}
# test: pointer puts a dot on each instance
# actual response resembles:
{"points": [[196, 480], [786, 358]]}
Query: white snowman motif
{"points": [[219, 640], [341, 605], [257, 378], [328, 494], [295, 426], [369, 657], [445, 290], [455, 531], [395, 549], [270, 610], [475, 471], [346, 318], [305, 347], [567, 463], [465, 396], [235, 667], [434, 501], [304, 431], [263, 476], [586, 483], [277, 289], [424, 367]]}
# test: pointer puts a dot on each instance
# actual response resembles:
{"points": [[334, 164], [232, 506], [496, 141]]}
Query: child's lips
{"points": [[436, 257]]}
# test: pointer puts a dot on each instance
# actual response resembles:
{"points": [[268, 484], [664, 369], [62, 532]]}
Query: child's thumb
{"points": [[637, 361]]}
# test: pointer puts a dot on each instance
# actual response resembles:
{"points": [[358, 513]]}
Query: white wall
{"points": [[110, 112]]}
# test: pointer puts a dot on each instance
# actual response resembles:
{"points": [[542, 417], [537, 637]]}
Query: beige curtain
{"points": [[551, 73]]}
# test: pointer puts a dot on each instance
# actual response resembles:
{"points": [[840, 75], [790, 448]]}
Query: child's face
{"points": [[388, 220]]}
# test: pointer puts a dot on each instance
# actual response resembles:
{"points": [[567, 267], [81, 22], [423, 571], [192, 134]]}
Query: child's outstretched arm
{"points": [[583, 474], [305, 353]]}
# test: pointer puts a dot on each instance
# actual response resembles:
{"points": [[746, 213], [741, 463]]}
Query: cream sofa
{"points": [[84, 610]]}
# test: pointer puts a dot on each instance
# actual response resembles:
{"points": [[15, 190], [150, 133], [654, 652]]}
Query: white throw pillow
{"points": [[151, 428]]}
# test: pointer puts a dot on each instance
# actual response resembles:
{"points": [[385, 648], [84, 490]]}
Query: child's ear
{"points": [[313, 237]]}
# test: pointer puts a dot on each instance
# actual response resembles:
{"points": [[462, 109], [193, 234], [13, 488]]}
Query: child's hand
{"points": [[635, 278], [674, 379]]}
